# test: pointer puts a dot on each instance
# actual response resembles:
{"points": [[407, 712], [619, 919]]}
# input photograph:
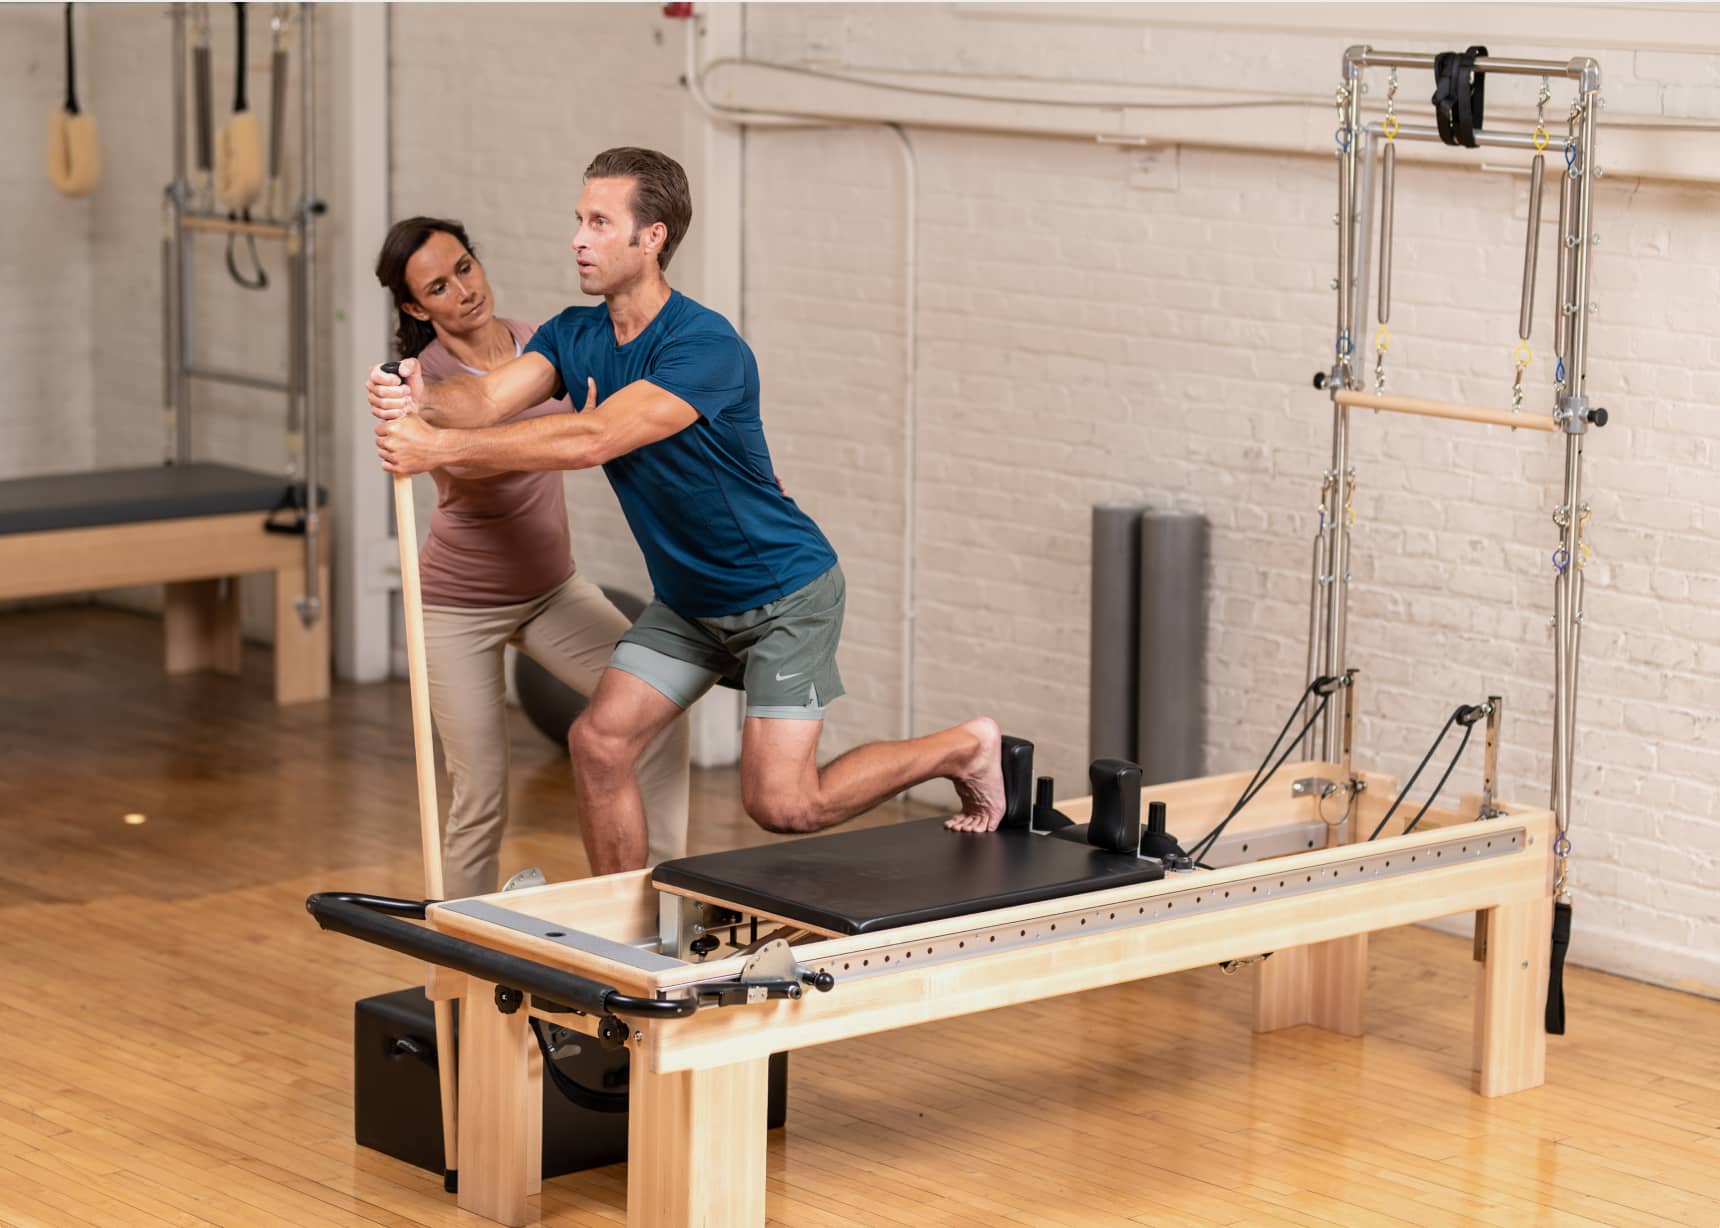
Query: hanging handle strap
{"points": [[71, 68], [239, 101], [1556, 968]]}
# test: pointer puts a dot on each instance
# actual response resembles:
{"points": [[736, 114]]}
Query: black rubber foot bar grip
{"points": [[375, 919]]}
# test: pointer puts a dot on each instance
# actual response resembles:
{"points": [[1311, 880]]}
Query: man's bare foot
{"points": [[979, 782]]}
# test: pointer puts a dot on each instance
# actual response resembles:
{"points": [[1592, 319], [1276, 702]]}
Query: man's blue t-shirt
{"points": [[718, 534]]}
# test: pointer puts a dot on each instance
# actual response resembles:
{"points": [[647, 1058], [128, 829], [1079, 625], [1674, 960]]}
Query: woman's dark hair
{"points": [[411, 335]]}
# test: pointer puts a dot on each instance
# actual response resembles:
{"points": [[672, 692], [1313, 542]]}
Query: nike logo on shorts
{"points": [[786, 677]]}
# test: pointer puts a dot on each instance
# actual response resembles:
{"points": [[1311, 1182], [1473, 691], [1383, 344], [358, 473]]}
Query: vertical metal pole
{"points": [[179, 357], [1562, 279], [172, 205], [1314, 636], [1585, 237], [1490, 772], [1345, 833], [310, 605], [1338, 546], [1567, 613], [1388, 200], [1531, 248], [1361, 281]]}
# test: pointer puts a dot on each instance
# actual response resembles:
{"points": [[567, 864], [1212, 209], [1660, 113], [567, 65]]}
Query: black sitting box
{"points": [[397, 1103]]}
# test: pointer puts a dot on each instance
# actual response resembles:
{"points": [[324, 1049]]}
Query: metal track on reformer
{"points": [[1194, 899]]}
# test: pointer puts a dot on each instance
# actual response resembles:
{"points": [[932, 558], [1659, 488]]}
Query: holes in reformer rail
{"points": [[1194, 901]]}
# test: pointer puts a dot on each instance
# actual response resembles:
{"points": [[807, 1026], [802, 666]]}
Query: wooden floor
{"points": [[175, 1032]]}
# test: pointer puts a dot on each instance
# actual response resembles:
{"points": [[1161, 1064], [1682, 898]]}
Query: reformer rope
{"points": [[1262, 774], [1467, 715]]}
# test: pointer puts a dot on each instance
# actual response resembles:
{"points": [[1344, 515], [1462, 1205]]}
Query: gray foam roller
{"points": [[1171, 721], [1113, 667]]}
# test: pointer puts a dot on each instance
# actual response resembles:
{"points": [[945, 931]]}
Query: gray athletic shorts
{"points": [[783, 655]]}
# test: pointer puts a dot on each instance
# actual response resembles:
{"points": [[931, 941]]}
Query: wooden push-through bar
{"points": [[1447, 409]]}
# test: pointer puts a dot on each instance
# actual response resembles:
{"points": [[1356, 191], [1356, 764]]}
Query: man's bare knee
{"points": [[779, 812], [593, 750]]}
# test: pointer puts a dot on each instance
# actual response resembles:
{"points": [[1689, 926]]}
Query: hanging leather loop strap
{"points": [[1555, 1020], [1458, 94]]}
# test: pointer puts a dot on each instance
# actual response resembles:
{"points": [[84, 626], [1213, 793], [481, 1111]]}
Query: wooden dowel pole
{"points": [[1446, 409], [220, 225], [429, 812]]}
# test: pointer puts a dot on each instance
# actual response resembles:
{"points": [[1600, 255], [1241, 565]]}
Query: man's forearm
{"points": [[460, 403], [556, 441]]}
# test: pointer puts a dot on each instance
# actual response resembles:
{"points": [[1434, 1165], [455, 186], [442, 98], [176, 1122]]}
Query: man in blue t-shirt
{"points": [[748, 590]]}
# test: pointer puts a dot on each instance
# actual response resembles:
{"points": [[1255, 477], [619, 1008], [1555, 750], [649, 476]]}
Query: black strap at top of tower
{"points": [[1458, 94]]}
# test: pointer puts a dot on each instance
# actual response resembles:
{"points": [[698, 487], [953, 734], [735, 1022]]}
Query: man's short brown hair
{"points": [[660, 191]]}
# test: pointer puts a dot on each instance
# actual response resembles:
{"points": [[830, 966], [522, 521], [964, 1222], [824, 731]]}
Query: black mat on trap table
{"points": [[132, 496], [856, 882]]}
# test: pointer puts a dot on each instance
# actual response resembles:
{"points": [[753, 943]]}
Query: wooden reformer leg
{"points": [[301, 653], [1511, 999], [695, 1146], [1322, 984], [201, 623], [499, 1166]]}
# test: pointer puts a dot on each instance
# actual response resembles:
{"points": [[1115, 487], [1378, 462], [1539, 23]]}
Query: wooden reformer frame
{"points": [[199, 560], [697, 1128]]}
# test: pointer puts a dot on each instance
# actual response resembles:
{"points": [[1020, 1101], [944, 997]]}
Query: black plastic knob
{"points": [[1319, 380], [822, 981], [1156, 818], [1598, 416], [393, 368]]}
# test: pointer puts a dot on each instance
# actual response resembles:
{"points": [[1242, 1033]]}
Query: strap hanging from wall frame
{"points": [[1458, 93]]}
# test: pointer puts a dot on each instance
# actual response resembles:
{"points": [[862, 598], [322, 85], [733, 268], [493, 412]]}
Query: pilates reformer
{"points": [[194, 526], [706, 966]]}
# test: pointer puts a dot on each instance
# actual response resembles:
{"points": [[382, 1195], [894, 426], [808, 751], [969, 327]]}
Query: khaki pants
{"points": [[570, 631]]}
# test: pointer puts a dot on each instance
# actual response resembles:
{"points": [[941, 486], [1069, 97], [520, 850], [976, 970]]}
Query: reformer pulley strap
{"points": [[1556, 968], [1458, 94]]}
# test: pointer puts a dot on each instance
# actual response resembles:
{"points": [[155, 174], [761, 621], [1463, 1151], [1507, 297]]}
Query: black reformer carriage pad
{"points": [[132, 496], [858, 882]]}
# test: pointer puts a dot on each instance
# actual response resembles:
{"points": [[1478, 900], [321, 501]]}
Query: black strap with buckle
{"points": [[1458, 94]]}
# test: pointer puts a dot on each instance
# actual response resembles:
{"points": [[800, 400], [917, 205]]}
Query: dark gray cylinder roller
{"points": [[1171, 720], [1113, 665]]}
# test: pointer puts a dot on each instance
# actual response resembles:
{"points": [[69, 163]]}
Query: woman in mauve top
{"points": [[498, 568]]}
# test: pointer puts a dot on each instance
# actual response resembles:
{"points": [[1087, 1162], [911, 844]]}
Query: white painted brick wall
{"points": [[46, 408]]}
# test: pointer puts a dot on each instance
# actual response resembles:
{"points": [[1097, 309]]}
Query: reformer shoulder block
{"points": [[1017, 783], [1116, 821]]}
